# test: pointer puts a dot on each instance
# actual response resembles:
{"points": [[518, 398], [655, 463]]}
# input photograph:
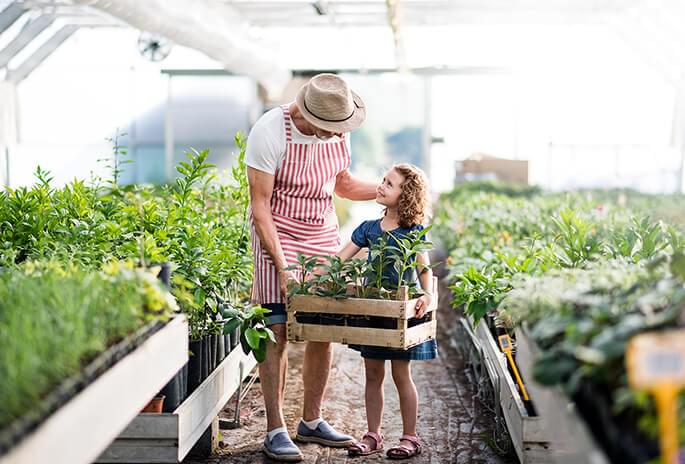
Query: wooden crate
{"points": [[84, 426], [401, 310], [528, 434], [169, 437], [571, 440]]}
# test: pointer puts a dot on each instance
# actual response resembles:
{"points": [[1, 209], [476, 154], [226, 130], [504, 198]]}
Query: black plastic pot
{"points": [[308, 318], [235, 338], [358, 321], [379, 322], [212, 352], [215, 350], [227, 343], [165, 276], [205, 357], [172, 392], [184, 382], [332, 319], [195, 366], [220, 348]]}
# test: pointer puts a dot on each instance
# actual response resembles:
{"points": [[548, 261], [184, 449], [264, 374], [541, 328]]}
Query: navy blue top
{"points": [[365, 235], [369, 232]]}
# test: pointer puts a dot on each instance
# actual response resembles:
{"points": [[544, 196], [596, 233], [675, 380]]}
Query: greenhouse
{"points": [[327, 231]]}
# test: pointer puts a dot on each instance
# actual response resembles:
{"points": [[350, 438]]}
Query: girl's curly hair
{"points": [[414, 201]]}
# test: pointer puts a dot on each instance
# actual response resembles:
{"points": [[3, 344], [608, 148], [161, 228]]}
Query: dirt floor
{"points": [[453, 424]]}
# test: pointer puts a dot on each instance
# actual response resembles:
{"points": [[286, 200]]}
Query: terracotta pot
{"points": [[155, 404]]}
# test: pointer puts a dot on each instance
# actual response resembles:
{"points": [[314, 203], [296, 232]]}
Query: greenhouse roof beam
{"points": [[32, 62], [360, 12], [10, 15], [29, 32]]}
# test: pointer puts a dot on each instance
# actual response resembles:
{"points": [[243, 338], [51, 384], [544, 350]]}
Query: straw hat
{"points": [[328, 103]]}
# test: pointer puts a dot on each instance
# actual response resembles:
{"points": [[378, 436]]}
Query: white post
{"points": [[678, 131], [168, 133], [8, 128], [427, 124]]}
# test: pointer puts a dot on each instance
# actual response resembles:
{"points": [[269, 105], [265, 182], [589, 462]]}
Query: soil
{"points": [[454, 425]]}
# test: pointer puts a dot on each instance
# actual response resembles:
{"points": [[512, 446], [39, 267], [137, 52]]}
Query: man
{"points": [[297, 156]]}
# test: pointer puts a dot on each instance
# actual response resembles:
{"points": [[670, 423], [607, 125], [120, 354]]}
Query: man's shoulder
{"points": [[272, 119]]}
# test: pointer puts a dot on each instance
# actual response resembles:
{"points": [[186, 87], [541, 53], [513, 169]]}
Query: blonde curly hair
{"points": [[414, 201]]}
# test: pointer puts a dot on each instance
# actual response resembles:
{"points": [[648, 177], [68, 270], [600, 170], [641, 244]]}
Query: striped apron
{"points": [[302, 208]]}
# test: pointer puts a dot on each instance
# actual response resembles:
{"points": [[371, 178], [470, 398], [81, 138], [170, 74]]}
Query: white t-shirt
{"points": [[266, 143]]}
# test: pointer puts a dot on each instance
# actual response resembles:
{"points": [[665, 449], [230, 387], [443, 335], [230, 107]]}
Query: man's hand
{"points": [[284, 277], [422, 305]]}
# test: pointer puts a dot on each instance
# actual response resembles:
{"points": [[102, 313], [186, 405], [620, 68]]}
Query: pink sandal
{"points": [[404, 452], [360, 448]]}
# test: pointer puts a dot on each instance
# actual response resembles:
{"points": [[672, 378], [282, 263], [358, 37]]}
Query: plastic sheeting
{"points": [[210, 27]]}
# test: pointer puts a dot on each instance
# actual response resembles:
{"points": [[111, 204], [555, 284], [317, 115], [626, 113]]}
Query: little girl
{"points": [[404, 193]]}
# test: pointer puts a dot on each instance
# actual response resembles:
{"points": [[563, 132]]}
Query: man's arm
{"points": [[261, 189], [348, 186]]}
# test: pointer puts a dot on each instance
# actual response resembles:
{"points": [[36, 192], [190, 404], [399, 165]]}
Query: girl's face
{"points": [[389, 190]]}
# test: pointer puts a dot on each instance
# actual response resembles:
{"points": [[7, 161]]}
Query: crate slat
{"points": [[401, 337], [390, 338]]}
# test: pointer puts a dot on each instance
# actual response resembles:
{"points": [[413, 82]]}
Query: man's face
{"points": [[323, 134]]}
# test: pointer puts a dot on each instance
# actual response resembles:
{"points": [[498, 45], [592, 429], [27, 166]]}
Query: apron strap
{"points": [[286, 120]]}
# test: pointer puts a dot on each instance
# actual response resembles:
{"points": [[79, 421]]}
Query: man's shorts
{"points": [[277, 314]]}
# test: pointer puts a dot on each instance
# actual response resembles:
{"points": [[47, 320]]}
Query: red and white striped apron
{"points": [[302, 208]]}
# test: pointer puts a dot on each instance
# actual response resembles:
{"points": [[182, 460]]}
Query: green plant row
{"points": [[199, 224], [582, 320], [494, 239], [581, 272], [54, 319]]}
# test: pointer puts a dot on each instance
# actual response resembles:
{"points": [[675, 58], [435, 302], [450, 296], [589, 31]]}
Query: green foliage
{"points": [[54, 319], [197, 223], [254, 335]]}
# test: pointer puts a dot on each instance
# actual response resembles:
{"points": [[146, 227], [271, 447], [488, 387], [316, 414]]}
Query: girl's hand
{"points": [[422, 305]]}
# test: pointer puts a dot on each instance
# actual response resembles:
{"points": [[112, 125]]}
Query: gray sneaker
{"points": [[324, 434], [282, 448]]}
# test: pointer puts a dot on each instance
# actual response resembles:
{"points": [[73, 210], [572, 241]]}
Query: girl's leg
{"points": [[373, 395], [409, 399]]}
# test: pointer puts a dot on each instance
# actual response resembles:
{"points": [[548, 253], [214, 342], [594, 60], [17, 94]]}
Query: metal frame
{"points": [[29, 32], [37, 57], [10, 15]]}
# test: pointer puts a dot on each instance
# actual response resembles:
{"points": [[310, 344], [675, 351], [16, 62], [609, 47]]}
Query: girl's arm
{"points": [[349, 251], [426, 281]]}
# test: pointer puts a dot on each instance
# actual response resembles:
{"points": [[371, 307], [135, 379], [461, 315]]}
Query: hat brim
{"points": [[342, 126]]}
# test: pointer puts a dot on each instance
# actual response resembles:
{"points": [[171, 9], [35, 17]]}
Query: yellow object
{"points": [[505, 346], [656, 363]]}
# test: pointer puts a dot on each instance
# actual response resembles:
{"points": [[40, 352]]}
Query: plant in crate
{"points": [[304, 269], [404, 253]]}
